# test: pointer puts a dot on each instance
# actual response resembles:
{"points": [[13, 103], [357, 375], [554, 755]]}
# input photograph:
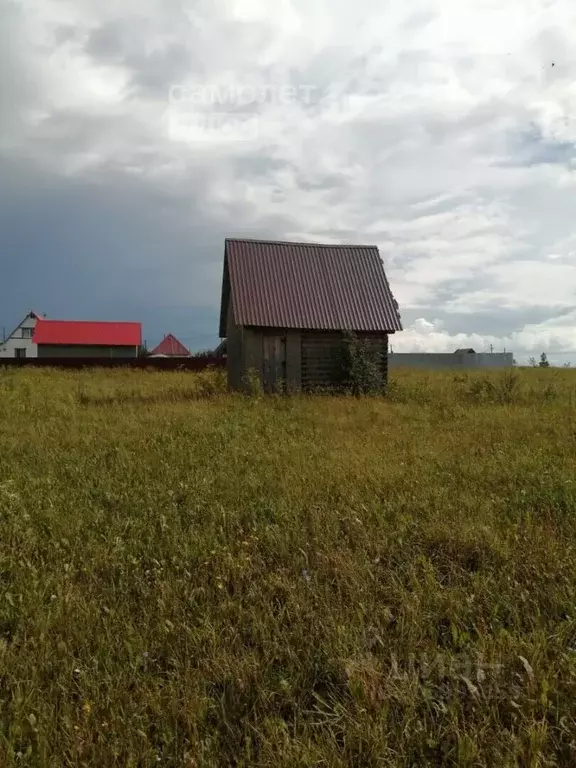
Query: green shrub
{"points": [[361, 372]]}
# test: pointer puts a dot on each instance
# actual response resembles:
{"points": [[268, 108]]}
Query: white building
{"points": [[19, 343]]}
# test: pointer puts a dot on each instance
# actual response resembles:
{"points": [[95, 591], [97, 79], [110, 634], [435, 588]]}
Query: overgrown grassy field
{"points": [[191, 578]]}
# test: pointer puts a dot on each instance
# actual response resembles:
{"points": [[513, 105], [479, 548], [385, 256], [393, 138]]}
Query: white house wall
{"points": [[15, 341]]}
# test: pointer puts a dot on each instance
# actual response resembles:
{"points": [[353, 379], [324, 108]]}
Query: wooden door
{"points": [[274, 362]]}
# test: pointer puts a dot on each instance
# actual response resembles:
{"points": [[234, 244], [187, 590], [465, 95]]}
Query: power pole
{"points": [[491, 348]]}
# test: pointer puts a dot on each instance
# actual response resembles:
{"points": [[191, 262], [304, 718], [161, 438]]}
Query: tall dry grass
{"points": [[192, 578]]}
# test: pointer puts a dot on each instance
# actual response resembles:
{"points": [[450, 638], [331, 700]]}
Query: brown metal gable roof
{"points": [[308, 286]]}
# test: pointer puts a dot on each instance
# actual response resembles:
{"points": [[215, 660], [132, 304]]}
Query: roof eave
{"points": [[315, 329]]}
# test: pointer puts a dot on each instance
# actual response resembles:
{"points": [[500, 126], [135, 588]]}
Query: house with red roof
{"points": [[170, 347], [36, 336]]}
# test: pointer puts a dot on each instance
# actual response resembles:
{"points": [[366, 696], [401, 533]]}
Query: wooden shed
{"points": [[286, 308]]}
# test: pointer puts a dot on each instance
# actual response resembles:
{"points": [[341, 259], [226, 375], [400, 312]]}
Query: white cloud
{"points": [[523, 283], [557, 338], [443, 132]]}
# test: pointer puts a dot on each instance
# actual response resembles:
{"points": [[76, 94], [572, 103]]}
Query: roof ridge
{"points": [[299, 243], [91, 322]]}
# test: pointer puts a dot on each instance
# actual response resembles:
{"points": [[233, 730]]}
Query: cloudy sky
{"points": [[136, 134]]}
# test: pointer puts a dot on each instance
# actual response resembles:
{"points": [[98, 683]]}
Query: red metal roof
{"points": [[307, 286], [171, 347], [87, 333]]}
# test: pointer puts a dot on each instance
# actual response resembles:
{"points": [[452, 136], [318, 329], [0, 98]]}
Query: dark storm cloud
{"points": [[109, 248]]}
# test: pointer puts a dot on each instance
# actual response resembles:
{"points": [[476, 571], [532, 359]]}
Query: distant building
{"points": [[19, 343], [286, 307], [37, 337], [170, 347], [466, 359]]}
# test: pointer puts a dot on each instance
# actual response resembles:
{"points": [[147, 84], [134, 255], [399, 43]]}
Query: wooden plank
{"points": [[273, 362]]}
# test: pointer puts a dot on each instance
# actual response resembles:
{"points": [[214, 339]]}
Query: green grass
{"points": [[191, 578]]}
